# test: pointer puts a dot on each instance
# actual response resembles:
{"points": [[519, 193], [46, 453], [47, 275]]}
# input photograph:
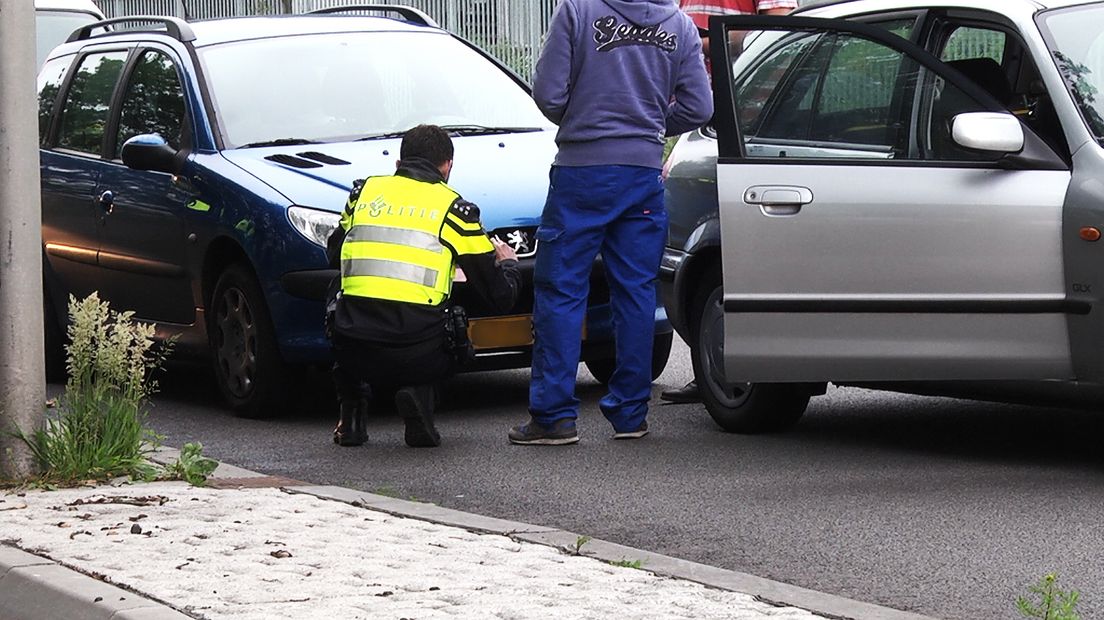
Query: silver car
{"points": [[908, 191]]}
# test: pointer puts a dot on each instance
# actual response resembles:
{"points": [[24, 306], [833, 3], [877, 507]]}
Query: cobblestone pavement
{"points": [[262, 553]]}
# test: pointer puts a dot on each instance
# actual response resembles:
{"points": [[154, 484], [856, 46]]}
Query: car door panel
{"points": [[143, 245], [900, 257], [71, 168]]}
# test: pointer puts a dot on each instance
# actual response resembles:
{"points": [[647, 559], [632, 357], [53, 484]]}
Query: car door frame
{"points": [[164, 264], [731, 150]]}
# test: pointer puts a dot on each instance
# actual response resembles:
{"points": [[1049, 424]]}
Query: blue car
{"points": [[191, 172]]}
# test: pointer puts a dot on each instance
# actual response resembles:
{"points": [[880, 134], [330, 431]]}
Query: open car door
{"points": [[883, 217]]}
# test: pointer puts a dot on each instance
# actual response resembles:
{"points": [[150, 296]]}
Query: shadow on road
{"points": [[951, 427]]}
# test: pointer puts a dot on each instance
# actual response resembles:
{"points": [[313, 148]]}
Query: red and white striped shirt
{"points": [[700, 10]]}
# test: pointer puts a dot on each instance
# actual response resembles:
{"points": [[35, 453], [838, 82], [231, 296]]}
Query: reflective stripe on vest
{"points": [[379, 268], [392, 247], [396, 236]]}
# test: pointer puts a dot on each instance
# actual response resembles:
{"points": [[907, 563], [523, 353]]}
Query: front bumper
{"points": [[312, 285]]}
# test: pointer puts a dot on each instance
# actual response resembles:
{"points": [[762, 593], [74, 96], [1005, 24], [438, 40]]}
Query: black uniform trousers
{"points": [[359, 364]]}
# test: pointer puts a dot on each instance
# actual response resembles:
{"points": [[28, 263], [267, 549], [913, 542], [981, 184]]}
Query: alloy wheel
{"points": [[236, 342]]}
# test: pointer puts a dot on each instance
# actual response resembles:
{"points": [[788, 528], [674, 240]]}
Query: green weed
{"points": [[628, 563], [1048, 601], [192, 466]]}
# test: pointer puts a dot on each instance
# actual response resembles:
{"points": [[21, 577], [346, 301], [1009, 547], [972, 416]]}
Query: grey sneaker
{"points": [[637, 434], [532, 434]]}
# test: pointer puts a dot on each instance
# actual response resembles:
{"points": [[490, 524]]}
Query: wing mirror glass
{"points": [[993, 132], [150, 152]]}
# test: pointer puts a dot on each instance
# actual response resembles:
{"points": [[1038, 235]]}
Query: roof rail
{"points": [[408, 13], [174, 27]]}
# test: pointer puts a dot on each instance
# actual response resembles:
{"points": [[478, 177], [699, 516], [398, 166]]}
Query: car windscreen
{"points": [[349, 86], [1075, 36], [52, 28]]}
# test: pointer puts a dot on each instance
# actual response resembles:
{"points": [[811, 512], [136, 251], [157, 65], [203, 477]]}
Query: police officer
{"points": [[400, 238]]}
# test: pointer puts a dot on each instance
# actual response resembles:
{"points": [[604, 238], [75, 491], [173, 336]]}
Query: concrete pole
{"points": [[22, 373]]}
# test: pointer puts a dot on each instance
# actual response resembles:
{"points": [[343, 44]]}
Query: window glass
{"points": [[824, 95], [755, 87], [942, 101], [52, 28], [49, 83], [1075, 37], [153, 102], [855, 101], [87, 103], [967, 42]]}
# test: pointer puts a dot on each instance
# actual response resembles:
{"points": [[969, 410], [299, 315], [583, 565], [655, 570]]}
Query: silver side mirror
{"points": [[988, 131]]}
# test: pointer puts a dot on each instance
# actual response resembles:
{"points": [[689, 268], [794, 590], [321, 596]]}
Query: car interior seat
{"points": [[986, 73]]}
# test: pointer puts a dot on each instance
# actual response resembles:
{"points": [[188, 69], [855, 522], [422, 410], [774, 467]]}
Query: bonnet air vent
{"points": [[324, 158], [294, 162]]}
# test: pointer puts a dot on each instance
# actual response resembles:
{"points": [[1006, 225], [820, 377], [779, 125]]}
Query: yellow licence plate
{"points": [[503, 332]]}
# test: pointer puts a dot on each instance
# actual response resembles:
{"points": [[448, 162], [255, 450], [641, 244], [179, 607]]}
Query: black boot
{"points": [[350, 427], [415, 405]]}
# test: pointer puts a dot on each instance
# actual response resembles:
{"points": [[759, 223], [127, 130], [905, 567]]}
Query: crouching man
{"points": [[400, 239]]}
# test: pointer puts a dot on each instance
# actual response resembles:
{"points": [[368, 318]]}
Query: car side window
{"points": [[49, 83], [838, 95], [85, 113], [153, 101]]}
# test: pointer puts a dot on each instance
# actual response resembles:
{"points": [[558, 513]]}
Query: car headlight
{"points": [[314, 224]]}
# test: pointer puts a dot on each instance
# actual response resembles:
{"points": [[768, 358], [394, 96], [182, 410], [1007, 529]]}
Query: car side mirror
{"points": [[993, 132], [150, 152]]}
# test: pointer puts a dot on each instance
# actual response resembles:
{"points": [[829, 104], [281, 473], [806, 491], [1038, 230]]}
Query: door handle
{"points": [[106, 201], [778, 200]]}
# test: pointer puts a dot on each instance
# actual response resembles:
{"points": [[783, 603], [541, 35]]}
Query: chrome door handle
{"points": [[778, 200], [106, 201]]}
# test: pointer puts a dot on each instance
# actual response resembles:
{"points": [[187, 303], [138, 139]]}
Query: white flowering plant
{"points": [[98, 431]]}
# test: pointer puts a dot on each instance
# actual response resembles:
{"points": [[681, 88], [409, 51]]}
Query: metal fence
{"points": [[509, 29]]}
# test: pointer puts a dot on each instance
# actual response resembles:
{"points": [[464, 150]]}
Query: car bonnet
{"points": [[506, 175]]}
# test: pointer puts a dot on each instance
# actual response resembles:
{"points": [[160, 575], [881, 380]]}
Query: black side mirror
{"points": [[150, 152]]}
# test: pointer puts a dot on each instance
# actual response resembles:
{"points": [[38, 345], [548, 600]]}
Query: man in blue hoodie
{"points": [[617, 76]]}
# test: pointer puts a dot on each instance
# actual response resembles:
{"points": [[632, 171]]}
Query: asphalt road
{"points": [[940, 506]]}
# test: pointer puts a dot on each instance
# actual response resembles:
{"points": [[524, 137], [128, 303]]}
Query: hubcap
{"points": [[236, 342], [711, 347]]}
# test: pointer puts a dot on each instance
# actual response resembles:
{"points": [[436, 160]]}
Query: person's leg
{"points": [[353, 393], [631, 252], [569, 237], [416, 406], [419, 369]]}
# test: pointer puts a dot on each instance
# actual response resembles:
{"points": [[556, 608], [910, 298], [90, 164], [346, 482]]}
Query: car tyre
{"points": [[735, 407], [247, 363], [602, 369]]}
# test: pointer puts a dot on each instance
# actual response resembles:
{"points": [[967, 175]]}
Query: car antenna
{"points": [[187, 14]]}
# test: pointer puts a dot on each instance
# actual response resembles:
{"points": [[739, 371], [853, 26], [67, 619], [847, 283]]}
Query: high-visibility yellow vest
{"points": [[394, 245]]}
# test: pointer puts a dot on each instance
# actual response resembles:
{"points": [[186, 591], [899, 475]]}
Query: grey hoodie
{"points": [[618, 76]]}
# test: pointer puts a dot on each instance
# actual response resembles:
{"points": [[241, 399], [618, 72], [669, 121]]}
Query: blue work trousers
{"points": [[618, 211]]}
